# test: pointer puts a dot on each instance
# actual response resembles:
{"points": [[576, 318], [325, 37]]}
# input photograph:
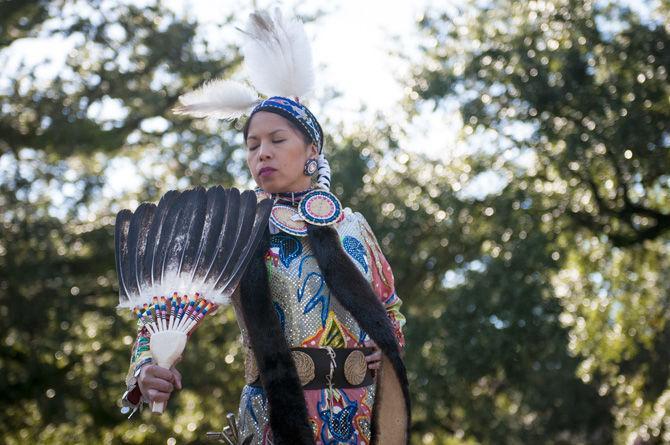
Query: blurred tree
{"points": [[537, 313], [573, 96], [20, 17], [70, 137]]}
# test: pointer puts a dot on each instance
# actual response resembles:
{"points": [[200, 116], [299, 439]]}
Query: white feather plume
{"points": [[223, 99], [278, 55]]}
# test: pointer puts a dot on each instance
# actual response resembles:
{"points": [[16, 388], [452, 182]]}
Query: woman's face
{"points": [[276, 154]]}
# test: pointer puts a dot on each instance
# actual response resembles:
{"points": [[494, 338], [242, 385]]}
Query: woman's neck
{"points": [[287, 197], [290, 197]]}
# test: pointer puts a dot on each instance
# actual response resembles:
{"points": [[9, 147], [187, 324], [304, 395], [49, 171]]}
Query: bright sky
{"points": [[352, 44], [350, 41]]}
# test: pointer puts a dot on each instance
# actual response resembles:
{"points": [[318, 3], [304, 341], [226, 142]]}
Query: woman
{"points": [[281, 154], [317, 308]]}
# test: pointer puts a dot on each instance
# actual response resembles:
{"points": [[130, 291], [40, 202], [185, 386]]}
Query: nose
{"points": [[264, 150]]}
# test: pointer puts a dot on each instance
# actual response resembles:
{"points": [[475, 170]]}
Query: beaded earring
{"points": [[310, 167]]}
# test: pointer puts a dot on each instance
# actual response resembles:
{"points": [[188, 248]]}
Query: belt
{"points": [[320, 368]]}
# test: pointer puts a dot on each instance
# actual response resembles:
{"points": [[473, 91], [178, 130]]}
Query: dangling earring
{"points": [[310, 167]]}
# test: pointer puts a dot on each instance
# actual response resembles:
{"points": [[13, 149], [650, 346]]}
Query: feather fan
{"points": [[278, 55], [193, 241], [179, 260]]}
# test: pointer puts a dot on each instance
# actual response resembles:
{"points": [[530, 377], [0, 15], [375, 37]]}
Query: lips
{"points": [[265, 171]]}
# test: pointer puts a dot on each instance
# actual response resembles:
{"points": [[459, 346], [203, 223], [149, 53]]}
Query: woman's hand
{"points": [[373, 360], [157, 383]]}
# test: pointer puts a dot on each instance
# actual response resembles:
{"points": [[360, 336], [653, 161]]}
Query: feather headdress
{"points": [[278, 55], [222, 99], [278, 60]]}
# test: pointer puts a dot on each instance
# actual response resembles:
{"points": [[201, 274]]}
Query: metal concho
{"points": [[304, 365], [355, 368]]}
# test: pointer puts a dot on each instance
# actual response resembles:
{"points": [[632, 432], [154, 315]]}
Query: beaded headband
{"points": [[296, 113]]}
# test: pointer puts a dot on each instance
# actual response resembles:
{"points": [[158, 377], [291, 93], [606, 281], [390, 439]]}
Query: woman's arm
{"points": [[140, 356], [381, 278]]}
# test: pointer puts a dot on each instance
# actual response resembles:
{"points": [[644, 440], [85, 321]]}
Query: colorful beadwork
{"points": [[296, 111], [288, 247], [280, 315], [282, 216], [338, 426], [320, 208], [356, 250], [305, 299], [320, 296]]}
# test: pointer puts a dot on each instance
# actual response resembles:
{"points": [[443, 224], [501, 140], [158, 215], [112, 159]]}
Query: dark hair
{"points": [[305, 137]]}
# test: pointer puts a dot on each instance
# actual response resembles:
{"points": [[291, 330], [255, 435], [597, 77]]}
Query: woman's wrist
{"points": [[133, 397]]}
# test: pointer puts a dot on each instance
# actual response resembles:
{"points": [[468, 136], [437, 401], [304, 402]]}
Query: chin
{"points": [[277, 185], [271, 187]]}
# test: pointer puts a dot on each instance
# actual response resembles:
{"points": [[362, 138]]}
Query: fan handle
{"points": [[166, 348]]}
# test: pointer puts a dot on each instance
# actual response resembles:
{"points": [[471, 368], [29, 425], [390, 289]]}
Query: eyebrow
{"points": [[271, 133]]}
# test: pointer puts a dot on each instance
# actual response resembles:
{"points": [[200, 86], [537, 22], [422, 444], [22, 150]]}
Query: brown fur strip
{"points": [[288, 413], [354, 292]]}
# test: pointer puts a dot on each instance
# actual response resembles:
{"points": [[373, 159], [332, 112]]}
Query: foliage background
{"points": [[537, 312]]}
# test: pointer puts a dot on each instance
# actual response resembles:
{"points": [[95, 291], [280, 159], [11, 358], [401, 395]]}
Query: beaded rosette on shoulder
{"points": [[292, 212]]}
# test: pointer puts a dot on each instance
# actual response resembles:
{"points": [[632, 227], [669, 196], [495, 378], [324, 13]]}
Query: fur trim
{"points": [[354, 292], [288, 413]]}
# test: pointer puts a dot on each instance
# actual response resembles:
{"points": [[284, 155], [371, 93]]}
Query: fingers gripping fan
{"points": [[180, 259]]}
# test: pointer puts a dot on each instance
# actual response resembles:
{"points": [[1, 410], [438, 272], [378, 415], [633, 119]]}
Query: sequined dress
{"points": [[310, 316]]}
